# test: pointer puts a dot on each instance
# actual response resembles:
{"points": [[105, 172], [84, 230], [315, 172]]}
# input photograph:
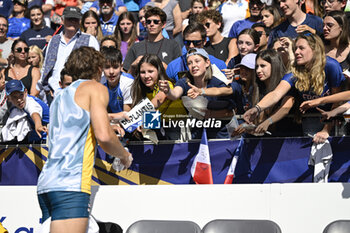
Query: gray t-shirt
{"points": [[167, 50], [168, 9], [6, 48]]}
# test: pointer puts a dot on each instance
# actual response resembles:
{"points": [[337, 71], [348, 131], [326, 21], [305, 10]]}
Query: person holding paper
{"points": [[79, 122], [150, 71]]}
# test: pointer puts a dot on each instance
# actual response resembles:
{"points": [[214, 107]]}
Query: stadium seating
{"points": [[339, 226], [241, 226], [162, 226]]}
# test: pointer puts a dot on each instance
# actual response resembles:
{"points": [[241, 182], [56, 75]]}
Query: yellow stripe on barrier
{"points": [[37, 161], [107, 179], [4, 154], [42, 150], [94, 182], [130, 175]]}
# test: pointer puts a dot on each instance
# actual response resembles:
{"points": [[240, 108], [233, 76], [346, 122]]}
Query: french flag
{"points": [[231, 170], [201, 167]]}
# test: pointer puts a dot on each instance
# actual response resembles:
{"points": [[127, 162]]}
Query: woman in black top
{"points": [[20, 69]]}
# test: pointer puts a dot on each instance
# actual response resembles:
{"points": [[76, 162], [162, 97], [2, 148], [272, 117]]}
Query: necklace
{"points": [[160, 46]]}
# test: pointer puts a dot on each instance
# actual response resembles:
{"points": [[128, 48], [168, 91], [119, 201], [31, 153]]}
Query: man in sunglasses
{"points": [[5, 43], [60, 47], [166, 49], [194, 37], [297, 22], [264, 35]]}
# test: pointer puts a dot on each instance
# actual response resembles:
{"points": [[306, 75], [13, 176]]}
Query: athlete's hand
{"points": [[127, 160]]}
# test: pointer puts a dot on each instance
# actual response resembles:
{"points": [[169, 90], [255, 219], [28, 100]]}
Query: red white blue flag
{"points": [[231, 170], [201, 167]]}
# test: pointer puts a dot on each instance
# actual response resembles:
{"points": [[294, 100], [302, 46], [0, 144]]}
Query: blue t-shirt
{"points": [[6, 8], [241, 101], [214, 102], [287, 30], [45, 119], [334, 78], [109, 26], [180, 65], [17, 26], [142, 3], [119, 3], [116, 95], [239, 26], [131, 5], [36, 37], [116, 103]]}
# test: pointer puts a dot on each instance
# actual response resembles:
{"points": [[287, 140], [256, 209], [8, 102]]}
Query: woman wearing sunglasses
{"points": [[20, 69], [313, 75]]}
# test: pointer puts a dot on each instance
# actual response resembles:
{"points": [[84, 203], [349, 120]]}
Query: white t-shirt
{"points": [[229, 18]]}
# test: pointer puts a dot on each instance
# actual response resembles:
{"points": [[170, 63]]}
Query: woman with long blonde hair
{"points": [[313, 75]]}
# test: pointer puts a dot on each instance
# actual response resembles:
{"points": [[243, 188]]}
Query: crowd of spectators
{"points": [[203, 60]]}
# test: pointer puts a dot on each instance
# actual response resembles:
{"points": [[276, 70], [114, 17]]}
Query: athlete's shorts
{"points": [[64, 205]]}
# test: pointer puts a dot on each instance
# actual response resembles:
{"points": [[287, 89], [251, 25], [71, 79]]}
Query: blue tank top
{"points": [[72, 146]]}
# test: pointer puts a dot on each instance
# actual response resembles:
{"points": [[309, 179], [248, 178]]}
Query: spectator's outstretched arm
{"points": [[339, 97], [212, 91], [280, 113], [339, 110], [269, 100], [172, 94], [39, 128]]}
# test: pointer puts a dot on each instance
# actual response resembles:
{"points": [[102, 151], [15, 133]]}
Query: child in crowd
{"points": [[29, 108], [35, 57], [118, 84], [150, 72], [247, 42]]}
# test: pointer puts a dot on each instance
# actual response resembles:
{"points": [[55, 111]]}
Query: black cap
{"points": [[72, 12]]}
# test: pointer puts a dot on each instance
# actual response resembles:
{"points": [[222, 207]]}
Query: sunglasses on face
{"points": [[260, 33], [155, 21], [19, 50], [207, 25], [108, 47], [194, 42]]}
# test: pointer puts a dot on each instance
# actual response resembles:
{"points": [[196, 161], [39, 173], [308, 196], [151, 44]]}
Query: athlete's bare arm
{"points": [[93, 97]]}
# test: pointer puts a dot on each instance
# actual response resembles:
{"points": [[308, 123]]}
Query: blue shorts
{"points": [[64, 205]]}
